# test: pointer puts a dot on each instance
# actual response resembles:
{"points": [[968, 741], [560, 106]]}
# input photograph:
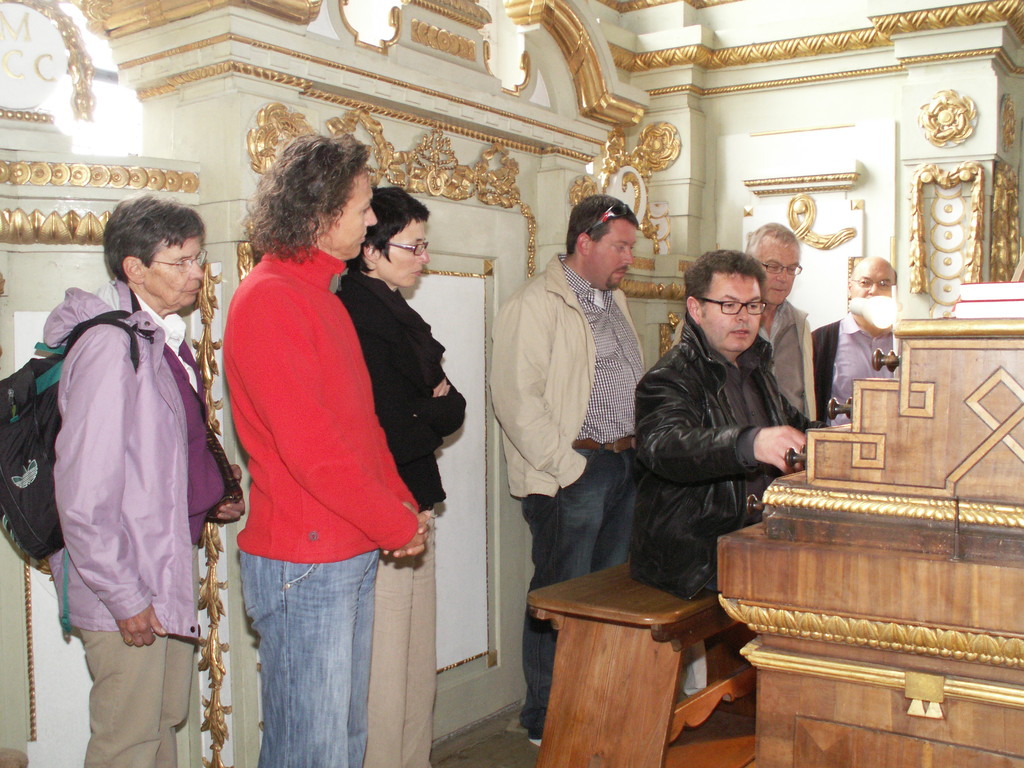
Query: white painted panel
{"points": [[62, 679], [454, 307]]}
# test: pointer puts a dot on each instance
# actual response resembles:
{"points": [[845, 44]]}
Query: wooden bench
{"points": [[617, 667]]}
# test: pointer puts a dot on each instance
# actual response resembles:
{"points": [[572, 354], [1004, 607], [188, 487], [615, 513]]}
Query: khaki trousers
{"points": [[139, 697], [403, 670]]}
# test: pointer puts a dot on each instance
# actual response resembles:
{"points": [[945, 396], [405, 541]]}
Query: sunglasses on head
{"points": [[615, 211]]}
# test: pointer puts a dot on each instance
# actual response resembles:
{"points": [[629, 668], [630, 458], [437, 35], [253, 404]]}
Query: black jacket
{"points": [[824, 343], [414, 422], [691, 483]]}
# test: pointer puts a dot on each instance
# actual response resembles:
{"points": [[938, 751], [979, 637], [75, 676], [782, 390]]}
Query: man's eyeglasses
{"points": [[616, 211], [734, 307], [867, 282], [183, 265], [418, 249], [774, 268]]}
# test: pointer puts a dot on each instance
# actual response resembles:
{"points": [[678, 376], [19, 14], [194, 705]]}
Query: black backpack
{"points": [[28, 434]]}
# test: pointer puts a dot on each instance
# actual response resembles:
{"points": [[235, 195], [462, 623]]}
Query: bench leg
{"points": [[612, 698]]}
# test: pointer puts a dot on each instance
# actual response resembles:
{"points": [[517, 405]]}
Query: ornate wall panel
{"points": [[1005, 251]]}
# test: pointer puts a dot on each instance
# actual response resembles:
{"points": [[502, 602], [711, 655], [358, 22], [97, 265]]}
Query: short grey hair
{"points": [[781, 234]]}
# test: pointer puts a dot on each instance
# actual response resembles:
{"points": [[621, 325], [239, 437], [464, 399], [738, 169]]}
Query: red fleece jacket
{"points": [[324, 485]]}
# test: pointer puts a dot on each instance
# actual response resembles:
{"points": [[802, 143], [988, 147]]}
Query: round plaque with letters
{"points": [[33, 57]]}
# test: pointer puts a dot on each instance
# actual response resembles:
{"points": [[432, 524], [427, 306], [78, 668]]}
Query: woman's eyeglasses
{"points": [[417, 249], [183, 265]]}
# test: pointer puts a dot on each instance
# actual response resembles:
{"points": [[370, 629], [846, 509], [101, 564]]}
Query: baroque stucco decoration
{"points": [[1005, 223], [948, 119], [1008, 118], [657, 147], [802, 212], [594, 96]]}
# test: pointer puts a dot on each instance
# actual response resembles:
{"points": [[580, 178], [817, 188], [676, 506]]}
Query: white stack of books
{"points": [[990, 300]]}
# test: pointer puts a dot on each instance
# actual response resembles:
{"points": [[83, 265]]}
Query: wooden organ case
{"points": [[886, 583]]}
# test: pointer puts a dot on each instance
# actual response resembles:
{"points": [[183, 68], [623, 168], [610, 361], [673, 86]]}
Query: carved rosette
{"points": [[948, 119], [1008, 121]]}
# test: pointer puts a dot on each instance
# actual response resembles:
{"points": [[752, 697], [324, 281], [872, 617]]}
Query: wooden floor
{"points": [[500, 742]]}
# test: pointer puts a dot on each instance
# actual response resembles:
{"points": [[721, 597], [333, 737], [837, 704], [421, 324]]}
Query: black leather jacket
{"points": [[690, 480]]}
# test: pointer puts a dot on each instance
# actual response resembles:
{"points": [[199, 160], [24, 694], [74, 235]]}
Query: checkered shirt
{"points": [[617, 369]]}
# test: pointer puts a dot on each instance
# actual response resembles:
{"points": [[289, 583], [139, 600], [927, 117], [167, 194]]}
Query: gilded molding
{"points": [[26, 116], [919, 639], [79, 62], [466, 12], [903, 507], [1006, 243], [305, 86], [275, 127], [245, 259], [525, 67], [593, 96], [878, 675], [845, 180], [211, 650], [394, 21], [643, 262], [625, 6], [582, 186], [802, 212], [41, 173], [30, 655], [948, 119], [967, 172], [37, 228], [118, 18], [878, 35], [1008, 121], [442, 40]]}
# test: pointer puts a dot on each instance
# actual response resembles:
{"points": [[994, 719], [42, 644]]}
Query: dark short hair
{"points": [[142, 225], [304, 191], [588, 212], [395, 210], [781, 234], [703, 270]]}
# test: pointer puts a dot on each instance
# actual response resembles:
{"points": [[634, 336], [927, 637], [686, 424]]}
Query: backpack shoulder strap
{"points": [[116, 318]]}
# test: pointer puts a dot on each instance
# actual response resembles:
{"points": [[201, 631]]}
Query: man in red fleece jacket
{"points": [[325, 493]]}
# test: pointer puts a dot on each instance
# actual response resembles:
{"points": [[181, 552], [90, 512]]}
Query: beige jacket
{"points": [[542, 369]]}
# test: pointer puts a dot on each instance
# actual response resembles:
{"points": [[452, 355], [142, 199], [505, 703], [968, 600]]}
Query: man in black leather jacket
{"points": [[712, 427]]}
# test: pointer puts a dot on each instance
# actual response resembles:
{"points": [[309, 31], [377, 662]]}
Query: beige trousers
{"points": [[403, 670], [138, 699]]}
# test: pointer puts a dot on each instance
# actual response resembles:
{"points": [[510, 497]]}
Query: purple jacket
{"points": [[121, 475]]}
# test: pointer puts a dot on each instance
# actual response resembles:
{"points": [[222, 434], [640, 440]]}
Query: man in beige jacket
{"points": [[563, 379]]}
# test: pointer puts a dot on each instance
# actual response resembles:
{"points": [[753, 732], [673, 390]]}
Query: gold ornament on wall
{"points": [[442, 40], [803, 212], [275, 127], [948, 119], [1008, 118], [1005, 223], [658, 146], [966, 173], [38, 228]]}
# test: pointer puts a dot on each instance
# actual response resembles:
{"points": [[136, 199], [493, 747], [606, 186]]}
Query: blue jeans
{"points": [[581, 529], [315, 624]]}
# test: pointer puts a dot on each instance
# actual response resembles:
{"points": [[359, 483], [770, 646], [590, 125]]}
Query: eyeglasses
{"points": [[183, 265], [867, 282], [733, 307], [418, 249], [615, 211], [774, 268]]}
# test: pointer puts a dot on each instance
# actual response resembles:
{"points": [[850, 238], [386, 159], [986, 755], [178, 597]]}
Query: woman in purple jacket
{"points": [[135, 482]]}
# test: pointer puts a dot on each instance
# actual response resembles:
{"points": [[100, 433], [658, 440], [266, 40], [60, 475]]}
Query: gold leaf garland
{"points": [[802, 212], [1005, 250]]}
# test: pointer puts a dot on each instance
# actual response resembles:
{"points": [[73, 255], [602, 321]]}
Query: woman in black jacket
{"points": [[417, 407]]}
